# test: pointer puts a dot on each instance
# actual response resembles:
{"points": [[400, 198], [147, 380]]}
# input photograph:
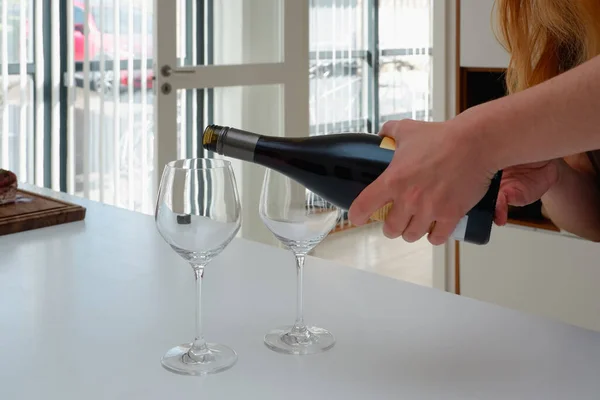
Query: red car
{"points": [[102, 39]]}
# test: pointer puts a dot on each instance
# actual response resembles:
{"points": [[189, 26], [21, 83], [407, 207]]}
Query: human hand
{"points": [[438, 173], [523, 184]]}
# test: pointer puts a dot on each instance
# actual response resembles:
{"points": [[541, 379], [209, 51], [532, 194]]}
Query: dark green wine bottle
{"points": [[338, 167]]}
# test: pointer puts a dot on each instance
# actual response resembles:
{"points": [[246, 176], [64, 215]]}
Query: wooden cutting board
{"points": [[33, 211]]}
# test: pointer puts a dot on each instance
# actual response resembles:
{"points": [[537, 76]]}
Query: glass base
{"points": [[299, 341], [215, 359]]}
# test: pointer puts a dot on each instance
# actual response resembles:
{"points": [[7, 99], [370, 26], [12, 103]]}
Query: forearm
{"points": [[554, 119], [573, 203]]}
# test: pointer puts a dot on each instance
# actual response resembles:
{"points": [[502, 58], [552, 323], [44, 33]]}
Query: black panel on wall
{"points": [[484, 86]]}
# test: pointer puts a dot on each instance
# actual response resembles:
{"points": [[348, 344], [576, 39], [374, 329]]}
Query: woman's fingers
{"points": [[417, 228], [441, 232], [371, 199], [501, 214], [396, 222]]}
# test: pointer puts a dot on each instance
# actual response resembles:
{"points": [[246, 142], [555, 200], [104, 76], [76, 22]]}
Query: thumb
{"points": [[517, 197]]}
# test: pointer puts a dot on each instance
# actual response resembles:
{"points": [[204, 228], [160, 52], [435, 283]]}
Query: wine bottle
{"points": [[338, 167]]}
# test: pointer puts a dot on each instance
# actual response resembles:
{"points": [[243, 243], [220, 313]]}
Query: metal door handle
{"points": [[167, 70]]}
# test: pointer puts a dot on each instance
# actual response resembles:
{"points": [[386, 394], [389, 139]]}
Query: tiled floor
{"points": [[366, 248]]}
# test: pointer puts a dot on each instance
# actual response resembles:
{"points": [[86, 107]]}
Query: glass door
{"points": [[230, 62]]}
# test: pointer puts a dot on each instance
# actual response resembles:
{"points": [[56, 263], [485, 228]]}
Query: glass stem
{"points": [[299, 324], [199, 347]]}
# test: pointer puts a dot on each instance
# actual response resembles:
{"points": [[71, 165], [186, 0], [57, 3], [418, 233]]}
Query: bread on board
{"points": [[8, 186]]}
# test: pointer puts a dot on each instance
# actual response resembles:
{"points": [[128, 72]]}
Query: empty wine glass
{"points": [[300, 220], [198, 214]]}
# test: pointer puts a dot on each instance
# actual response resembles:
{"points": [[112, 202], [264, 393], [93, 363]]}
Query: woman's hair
{"points": [[546, 37]]}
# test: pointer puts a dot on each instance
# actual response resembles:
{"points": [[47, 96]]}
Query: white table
{"points": [[88, 309]]}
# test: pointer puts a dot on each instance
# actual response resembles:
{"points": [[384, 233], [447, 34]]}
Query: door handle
{"points": [[167, 70]]}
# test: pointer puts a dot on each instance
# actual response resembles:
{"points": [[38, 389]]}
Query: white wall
{"points": [[478, 44]]}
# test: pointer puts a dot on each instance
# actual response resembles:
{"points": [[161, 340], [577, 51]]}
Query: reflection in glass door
{"points": [[110, 96]]}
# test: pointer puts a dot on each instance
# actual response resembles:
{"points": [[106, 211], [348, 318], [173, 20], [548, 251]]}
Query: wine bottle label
{"points": [[379, 215], [461, 229], [388, 143], [382, 213]]}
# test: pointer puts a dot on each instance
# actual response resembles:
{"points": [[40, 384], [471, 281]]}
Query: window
{"points": [[369, 64], [17, 87], [86, 126]]}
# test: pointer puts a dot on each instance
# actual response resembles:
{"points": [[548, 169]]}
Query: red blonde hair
{"points": [[546, 37]]}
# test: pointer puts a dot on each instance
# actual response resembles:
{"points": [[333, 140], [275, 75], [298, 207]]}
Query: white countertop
{"points": [[87, 309]]}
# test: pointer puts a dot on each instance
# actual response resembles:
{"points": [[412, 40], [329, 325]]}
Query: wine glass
{"points": [[198, 214], [300, 220]]}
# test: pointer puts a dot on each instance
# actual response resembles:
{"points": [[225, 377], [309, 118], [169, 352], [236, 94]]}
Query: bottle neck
{"points": [[239, 144]]}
